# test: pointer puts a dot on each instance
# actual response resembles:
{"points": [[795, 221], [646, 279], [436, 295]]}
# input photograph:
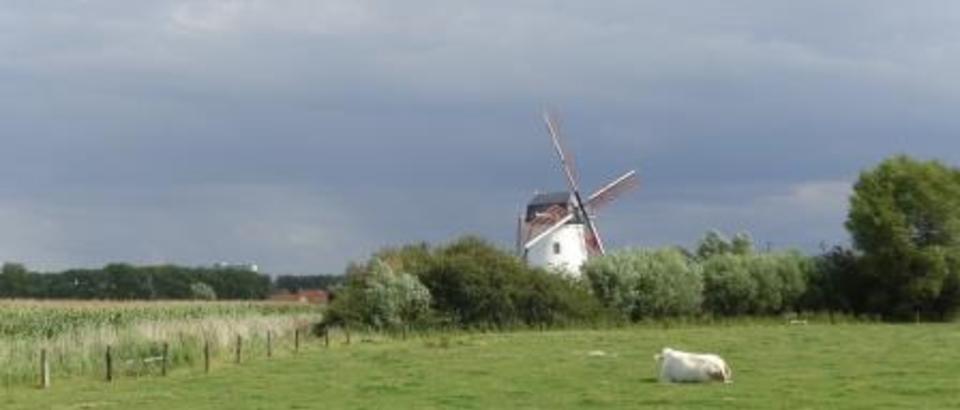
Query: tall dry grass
{"points": [[76, 334]]}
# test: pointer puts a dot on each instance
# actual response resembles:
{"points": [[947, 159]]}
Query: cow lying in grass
{"points": [[676, 366]]}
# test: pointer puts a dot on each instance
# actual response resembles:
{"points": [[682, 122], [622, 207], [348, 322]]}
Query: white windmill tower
{"points": [[557, 230]]}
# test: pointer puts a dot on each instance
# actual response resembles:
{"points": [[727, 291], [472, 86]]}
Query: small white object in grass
{"points": [[676, 366], [596, 353], [798, 322]]}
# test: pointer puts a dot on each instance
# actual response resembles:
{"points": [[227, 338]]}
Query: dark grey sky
{"points": [[303, 134]]}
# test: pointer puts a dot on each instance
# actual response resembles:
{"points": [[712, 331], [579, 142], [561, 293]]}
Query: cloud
{"points": [[817, 197], [219, 15], [286, 230], [330, 17], [356, 124], [809, 213], [25, 232]]}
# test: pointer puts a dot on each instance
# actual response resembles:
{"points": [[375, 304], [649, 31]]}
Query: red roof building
{"points": [[314, 296]]}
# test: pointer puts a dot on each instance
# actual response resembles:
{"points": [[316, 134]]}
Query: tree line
{"points": [[903, 263], [120, 281]]}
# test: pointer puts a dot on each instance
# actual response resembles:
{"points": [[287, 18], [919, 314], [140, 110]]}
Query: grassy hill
{"points": [[775, 366]]}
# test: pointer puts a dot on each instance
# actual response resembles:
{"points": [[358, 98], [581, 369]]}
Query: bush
{"points": [[715, 243], [202, 291], [382, 298], [467, 283], [642, 283], [476, 284], [768, 283], [794, 270], [729, 288]]}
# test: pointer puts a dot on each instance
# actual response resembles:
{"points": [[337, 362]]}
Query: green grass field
{"points": [[775, 366]]}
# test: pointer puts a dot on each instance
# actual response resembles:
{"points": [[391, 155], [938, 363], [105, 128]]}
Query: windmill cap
{"points": [[552, 198]]}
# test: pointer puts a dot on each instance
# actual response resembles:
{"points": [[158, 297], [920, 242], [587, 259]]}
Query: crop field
{"points": [[75, 335], [816, 366]]}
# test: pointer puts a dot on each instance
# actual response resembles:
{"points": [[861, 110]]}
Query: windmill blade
{"points": [[520, 237], [594, 244], [602, 197], [566, 161], [572, 180], [612, 190], [548, 231]]}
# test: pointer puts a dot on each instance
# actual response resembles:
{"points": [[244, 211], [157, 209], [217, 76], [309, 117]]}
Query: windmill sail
{"points": [[593, 237], [612, 190]]}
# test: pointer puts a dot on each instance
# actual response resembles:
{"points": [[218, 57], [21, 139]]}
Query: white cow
{"points": [[677, 366]]}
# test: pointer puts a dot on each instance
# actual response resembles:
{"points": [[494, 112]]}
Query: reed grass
{"points": [[76, 334]]}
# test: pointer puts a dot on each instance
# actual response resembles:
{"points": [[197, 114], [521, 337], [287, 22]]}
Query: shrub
{"points": [[202, 291], [468, 282], [643, 283], [476, 284], [715, 243], [729, 289], [382, 298], [761, 284]]}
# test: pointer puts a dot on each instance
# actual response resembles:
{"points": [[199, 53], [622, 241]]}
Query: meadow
{"points": [[815, 366], [76, 334]]}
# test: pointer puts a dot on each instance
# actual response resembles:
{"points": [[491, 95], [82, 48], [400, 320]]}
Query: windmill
{"points": [[558, 229]]}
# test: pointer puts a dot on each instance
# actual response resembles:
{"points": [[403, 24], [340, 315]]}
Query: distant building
{"points": [[313, 296], [249, 267]]}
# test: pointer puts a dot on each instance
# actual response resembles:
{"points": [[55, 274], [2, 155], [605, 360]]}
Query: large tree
{"points": [[14, 280], [905, 219]]}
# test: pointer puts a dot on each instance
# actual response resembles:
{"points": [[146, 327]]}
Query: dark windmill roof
{"points": [[551, 198]]}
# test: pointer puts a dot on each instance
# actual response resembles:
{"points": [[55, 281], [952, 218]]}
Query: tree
{"points": [[741, 244], [836, 283], [414, 259], [905, 219], [474, 283], [713, 243], [729, 288], [128, 282], [382, 298], [643, 283], [14, 280], [202, 291], [761, 284]]}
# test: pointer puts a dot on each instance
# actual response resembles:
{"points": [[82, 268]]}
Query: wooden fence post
{"points": [[269, 344], [163, 360], [109, 358], [239, 348], [326, 337], [206, 356], [346, 331], [296, 340], [44, 369]]}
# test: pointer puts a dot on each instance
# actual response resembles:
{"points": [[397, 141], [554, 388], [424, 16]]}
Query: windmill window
{"points": [[556, 248]]}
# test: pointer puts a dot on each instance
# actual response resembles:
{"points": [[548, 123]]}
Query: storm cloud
{"points": [[301, 135]]}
